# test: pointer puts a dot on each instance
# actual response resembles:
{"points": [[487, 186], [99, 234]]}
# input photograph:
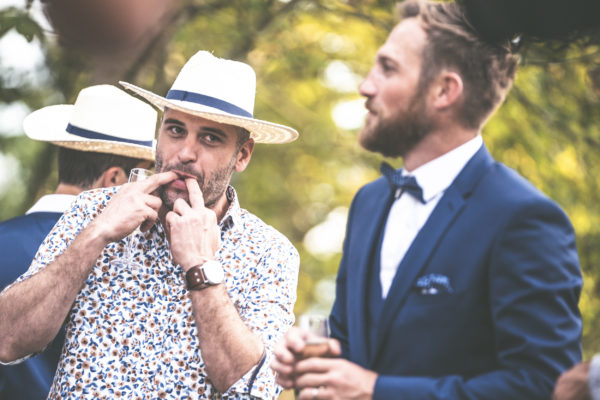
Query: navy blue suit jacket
{"points": [[510, 323], [20, 238]]}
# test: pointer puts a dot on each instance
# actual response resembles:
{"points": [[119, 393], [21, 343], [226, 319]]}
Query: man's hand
{"points": [[333, 378], [133, 205], [289, 351], [321, 377], [573, 384], [193, 230]]}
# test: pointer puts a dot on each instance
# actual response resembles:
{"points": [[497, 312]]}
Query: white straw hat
{"points": [[104, 119], [220, 90]]}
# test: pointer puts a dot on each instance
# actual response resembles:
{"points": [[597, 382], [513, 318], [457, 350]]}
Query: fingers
{"points": [[285, 356], [153, 204], [335, 349], [194, 193], [316, 365], [312, 380], [285, 374], [153, 182], [181, 206], [314, 393], [202, 217], [196, 199], [149, 221], [295, 340]]}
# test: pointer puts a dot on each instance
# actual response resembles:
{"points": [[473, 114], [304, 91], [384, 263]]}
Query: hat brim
{"points": [[260, 131], [49, 124]]}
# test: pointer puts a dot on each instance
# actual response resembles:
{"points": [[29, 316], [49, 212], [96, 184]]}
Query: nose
{"points": [[188, 152], [367, 86]]}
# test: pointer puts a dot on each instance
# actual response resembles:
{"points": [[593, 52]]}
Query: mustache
{"points": [[369, 105], [184, 171]]}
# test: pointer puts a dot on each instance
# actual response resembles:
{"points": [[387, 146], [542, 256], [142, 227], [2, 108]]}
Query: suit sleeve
{"points": [[338, 320], [534, 286]]}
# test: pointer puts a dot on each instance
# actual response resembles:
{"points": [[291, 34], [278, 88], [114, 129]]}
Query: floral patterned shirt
{"points": [[131, 332]]}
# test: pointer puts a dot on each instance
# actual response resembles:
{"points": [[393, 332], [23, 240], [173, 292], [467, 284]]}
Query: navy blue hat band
{"points": [[81, 132], [208, 101]]}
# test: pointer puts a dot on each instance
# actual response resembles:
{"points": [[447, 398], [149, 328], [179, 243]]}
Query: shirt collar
{"points": [[58, 203], [232, 217], [435, 176]]}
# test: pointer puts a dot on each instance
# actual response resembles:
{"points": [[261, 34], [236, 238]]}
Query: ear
{"points": [[244, 155], [448, 89], [114, 176]]}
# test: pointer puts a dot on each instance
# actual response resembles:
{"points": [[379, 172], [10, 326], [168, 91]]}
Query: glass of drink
{"points": [[317, 329], [136, 175]]}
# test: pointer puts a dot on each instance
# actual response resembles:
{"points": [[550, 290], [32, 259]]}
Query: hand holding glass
{"points": [[317, 329]]}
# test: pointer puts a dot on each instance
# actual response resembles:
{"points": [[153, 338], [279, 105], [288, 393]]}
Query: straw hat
{"points": [[220, 90], [104, 119]]}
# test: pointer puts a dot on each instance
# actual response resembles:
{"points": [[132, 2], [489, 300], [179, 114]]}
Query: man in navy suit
{"points": [[459, 279], [83, 163]]}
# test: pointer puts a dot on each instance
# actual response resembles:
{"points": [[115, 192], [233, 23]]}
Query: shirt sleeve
{"points": [[67, 228], [268, 312]]}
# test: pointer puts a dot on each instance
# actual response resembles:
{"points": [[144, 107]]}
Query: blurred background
{"points": [[309, 56]]}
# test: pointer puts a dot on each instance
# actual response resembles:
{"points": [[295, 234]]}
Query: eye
{"points": [[175, 130], [210, 138], [387, 67]]}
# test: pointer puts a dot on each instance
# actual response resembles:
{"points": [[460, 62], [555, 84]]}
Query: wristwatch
{"points": [[200, 276]]}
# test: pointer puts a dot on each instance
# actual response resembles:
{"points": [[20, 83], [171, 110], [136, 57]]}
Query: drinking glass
{"points": [[136, 175], [317, 329]]}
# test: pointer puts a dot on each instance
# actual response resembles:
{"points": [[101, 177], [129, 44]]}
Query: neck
{"points": [[221, 206], [65, 188], [436, 144]]}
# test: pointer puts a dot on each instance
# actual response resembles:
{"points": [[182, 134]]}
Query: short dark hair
{"points": [[242, 137], [82, 168], [487, 69]]}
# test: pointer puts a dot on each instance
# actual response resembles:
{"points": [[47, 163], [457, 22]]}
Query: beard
{"points": [[213, 186], [397, 136]]}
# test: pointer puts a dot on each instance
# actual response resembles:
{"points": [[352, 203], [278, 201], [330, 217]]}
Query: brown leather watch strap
{"points": [[195, 278]]}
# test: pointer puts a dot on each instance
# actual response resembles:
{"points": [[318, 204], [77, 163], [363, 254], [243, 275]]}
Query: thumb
{"points": [[335, 349]]}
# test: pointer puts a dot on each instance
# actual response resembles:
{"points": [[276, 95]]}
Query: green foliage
{"points": [[22, 22], [548, 129]]}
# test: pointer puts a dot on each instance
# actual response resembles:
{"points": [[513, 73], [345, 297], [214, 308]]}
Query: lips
{"points": [[180, 182]]}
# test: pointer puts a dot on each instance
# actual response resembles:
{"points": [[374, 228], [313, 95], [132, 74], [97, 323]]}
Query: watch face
{"points": [[213, 271]]}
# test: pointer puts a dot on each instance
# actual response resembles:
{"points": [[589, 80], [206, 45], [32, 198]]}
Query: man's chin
{"points": [[169, 196]]}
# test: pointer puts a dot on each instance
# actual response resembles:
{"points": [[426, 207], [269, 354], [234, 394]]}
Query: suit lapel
{"points": [[439, 222], [367, 225]]}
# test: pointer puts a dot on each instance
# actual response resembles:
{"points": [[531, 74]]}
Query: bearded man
{"points": [[459, 279], [213, 286]]}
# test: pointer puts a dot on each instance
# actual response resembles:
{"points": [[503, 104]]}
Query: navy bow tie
{"points": [[404, 183]]}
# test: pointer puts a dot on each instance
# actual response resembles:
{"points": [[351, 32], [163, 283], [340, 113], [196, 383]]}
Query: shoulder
{"points": [[27, 223], [510, 188], [99, 195], [262, 234], [93, 201], [515, 203]]}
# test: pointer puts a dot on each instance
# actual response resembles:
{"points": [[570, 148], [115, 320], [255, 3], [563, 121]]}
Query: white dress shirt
{"points": [[408, 215], [594, 377], [52, 203]]}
